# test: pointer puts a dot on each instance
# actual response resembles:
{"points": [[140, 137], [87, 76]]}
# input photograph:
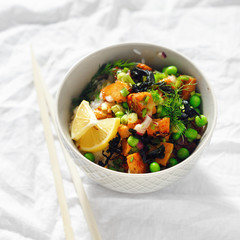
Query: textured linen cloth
{"points": [[203, 205]]}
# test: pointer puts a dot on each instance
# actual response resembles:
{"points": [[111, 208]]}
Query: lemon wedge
{"points": [[83, 120], [97, 137]]}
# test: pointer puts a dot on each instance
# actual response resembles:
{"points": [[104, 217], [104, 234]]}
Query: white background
{"points": [[203, 205]]}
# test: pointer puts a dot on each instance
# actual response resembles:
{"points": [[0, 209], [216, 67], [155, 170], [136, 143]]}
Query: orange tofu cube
{"points": [[144, 66], [140, 101], [168, 151], [188, 87], [136, 164], [112, 91], [106, 113], [123, 131], [125, 147], [159, 127], [132, 125], [169, 81], [167, 137]]}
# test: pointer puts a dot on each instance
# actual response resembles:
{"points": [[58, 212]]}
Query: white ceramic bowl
{"points": [[78, 77]]}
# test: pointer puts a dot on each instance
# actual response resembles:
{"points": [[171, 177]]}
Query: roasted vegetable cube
{"points": [[123, 131], [104, 111], [125, 147], [132, 125], [136, 164], [159, 127], [142, 103], [144, 66], [112, 92], [168, 152], [188, 87]]}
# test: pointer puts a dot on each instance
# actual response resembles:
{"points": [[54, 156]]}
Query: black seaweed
{"points": [[113, 148], [143, 86], [137, 75], [157, 153], [164, 87], [188, 111], [147, 140]]}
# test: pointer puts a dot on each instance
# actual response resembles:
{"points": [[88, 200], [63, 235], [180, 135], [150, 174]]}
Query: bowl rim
{"points": [[139, 175]]}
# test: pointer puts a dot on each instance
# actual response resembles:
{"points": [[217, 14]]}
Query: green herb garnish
{"points": [[105, 70], [144, 112], [172, 105], [146, 99], [156, 96]]}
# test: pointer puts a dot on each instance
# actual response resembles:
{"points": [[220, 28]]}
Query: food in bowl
{"points": [[135, 119]]}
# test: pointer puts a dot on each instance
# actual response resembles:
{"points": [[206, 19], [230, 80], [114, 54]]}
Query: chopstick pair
{"points": [[46, 104]]}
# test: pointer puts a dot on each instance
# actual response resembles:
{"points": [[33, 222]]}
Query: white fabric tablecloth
{"points": [[203, 205]]}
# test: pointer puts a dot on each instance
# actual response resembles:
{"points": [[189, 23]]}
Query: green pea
{"points": [[176, 136], [154, 167], [119, 114], [173, 162], [89, 156], [178, 127], [191, 133], [133, 141], [195, 101], [182, 153], [201, 120], [171, 70], [125, 70]]}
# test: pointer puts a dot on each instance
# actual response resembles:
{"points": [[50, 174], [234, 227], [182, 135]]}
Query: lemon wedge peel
{"points": [[97, 138], [90, 134], [83, 120]]}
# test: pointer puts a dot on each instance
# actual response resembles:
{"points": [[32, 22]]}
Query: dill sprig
{"points": [[172, 104], [89, 92], [107, 68]]}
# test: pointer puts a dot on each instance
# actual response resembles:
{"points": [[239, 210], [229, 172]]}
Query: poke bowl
{"points": [[135, 117]]}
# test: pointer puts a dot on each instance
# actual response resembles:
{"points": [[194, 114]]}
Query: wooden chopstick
{"points": [[71, 165], [52, 154]]}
